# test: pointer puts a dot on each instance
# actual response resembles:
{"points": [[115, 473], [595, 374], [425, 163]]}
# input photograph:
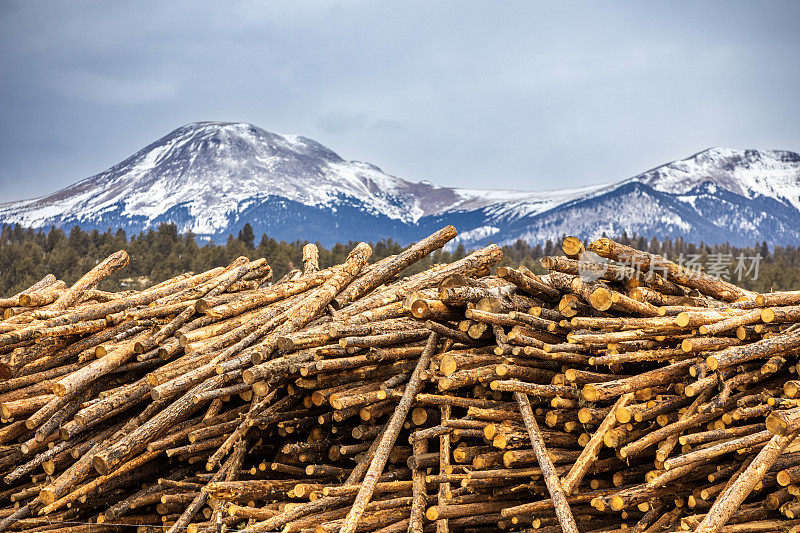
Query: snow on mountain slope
{"points": [[716, 216], [212, 177], [750, 173], [211, 168], [718, 195], [511, 205]]}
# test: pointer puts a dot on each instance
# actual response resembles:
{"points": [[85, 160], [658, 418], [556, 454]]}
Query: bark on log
{"points": [[735, 494], [700, 281], [111, 264], [551, 479], [393, 267]]}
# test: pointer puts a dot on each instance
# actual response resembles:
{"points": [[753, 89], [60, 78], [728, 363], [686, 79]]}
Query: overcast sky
{"points": [[521, 95]]}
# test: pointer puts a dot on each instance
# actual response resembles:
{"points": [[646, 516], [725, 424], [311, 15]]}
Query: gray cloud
{"points": [[518, 95], [340, 123], [104, 89]]}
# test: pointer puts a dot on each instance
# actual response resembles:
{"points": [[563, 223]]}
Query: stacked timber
{"points": [[619, 391]]}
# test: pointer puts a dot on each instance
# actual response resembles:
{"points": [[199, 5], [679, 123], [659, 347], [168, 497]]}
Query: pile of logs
{"points": [[619, 391]]}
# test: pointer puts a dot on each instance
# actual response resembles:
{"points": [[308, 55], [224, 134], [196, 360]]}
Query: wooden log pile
{"points": [[619, 391]]}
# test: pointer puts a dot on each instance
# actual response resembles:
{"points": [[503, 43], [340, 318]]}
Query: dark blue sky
{"points": [[523, 95]]}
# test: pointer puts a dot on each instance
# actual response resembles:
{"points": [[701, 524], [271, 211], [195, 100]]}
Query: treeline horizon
{"points": [[27, 255]]}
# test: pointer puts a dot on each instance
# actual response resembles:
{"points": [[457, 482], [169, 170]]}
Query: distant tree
{"points": [[247, 236], [764, 250], [27, 255], [78, 240], [655, 246]]}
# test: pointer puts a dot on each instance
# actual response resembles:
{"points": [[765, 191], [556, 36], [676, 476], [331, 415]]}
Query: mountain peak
{"points": [[211, 168], [243, 136]]}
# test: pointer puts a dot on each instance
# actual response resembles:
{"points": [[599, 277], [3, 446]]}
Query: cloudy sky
{"points": [[521, 95]]}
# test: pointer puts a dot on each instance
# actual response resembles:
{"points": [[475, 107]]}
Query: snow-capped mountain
{"points": [[718, 195], [211, 178]]}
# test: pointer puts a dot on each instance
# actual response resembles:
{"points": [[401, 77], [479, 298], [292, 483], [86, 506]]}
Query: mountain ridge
{"points": [[212, 177]]}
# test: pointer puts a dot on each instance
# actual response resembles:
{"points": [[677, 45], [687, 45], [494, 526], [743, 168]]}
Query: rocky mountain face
{"points": [[211, 178]]}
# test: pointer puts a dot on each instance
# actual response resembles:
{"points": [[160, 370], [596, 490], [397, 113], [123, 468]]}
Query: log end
{"points": [[448, 365], [49, 467], [590, 393], [286, 344], [101, 465], [601, 299], [617, 503], [776, 425], [47, 496], [500, 441], [572, 247], [623, 414], [420, 309], [598, 504]]}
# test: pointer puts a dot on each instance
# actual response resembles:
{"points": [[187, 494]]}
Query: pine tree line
{"points": [[27, 255]]}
